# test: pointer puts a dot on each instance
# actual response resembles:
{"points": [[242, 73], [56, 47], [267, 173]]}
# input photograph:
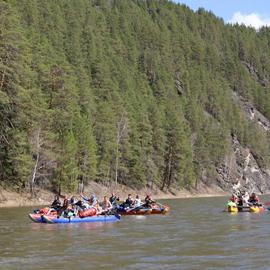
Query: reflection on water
{"points": [[69, 227], [195, 235]]}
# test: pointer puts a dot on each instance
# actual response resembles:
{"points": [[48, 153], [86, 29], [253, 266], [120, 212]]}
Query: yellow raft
{"points": [[256, 209], [232, 207]]}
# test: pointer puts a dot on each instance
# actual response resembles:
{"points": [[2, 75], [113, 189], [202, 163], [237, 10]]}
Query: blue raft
{"points": [[100, 218], [38, 218]]}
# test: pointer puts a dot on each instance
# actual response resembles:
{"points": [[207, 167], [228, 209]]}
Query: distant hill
{"points": [[136, 92]]}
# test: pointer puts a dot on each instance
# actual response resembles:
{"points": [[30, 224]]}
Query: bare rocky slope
{"points": [[241, 170]]}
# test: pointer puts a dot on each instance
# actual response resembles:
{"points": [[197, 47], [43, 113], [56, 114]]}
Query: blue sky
{"points": [[250, 12]]}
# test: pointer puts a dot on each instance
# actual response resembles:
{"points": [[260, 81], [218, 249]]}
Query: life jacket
{"points": [[254, 199], [65, 203], [129, 201], [233, 199], [137, 202], [148, 200], [112, 199]]}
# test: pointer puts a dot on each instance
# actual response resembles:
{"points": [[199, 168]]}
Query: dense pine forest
{"points": [[136, 92]]}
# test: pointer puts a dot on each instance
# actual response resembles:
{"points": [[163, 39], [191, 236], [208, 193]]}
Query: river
{"points": [[195, 235]]}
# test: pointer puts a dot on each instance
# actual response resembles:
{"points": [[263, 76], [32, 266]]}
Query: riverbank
{"points": [[10, 198]]}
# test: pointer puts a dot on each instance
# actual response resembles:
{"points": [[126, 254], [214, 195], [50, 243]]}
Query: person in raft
{"points": [[56, 204], [113, 199], [245, 197], [90, 202], [128, 203], [148, 201], [65, 202], [64, 208], [254, 199], [73, 200], [137, 202], [76, 205], [106, 204], [234, 199]]}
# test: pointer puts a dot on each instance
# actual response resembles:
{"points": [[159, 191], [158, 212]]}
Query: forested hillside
{"points": [[138, 92]]}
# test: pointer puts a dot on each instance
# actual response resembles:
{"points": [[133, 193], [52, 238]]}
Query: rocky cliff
{"points": [[241, 171]]}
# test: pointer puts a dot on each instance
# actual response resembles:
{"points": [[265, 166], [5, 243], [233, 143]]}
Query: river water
{"points": [[195, 235]]}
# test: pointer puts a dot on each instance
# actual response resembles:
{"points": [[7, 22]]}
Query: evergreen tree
{"points": [[127, 91]]}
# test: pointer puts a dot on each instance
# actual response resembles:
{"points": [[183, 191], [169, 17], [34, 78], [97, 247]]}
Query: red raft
{"points": [[154, 210], [134, 212], [160, 210]]}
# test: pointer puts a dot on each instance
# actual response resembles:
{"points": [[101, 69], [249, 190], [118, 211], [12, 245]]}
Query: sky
{"points": [[255, 13]]}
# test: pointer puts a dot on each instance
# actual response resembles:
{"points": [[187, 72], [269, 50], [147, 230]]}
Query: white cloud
{"points": [[253, 19]]}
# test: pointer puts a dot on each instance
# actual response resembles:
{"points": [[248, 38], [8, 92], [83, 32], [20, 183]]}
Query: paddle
{"points": [[160, 205], [110, 212], [137, 208], [131, 209]]}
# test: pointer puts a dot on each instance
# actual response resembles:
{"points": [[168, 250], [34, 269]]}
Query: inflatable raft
{"points": [[134, 212], [36, 217], [256, 209], [161, 210], [40, 218], [234, 208], [101, 218]]}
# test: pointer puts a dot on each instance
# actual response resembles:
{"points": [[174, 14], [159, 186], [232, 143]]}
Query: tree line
{"points": [[128, 91]]}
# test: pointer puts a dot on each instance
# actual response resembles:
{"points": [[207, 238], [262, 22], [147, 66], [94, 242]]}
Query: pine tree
{"points": [[134, 92]]}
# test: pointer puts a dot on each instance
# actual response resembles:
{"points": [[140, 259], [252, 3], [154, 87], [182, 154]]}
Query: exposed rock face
{"points": [[240, 171], [252, 113]]}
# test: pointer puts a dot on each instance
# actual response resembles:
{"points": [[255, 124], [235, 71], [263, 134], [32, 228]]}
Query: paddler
{"points": [[106, 204], [245, 197], [113, 198], [62, 210], [234, 198], [65, 203], [148, 201], [56, 204], [254, 199], [91, 202], [129, 201], [73, 200], [137, 202]]}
